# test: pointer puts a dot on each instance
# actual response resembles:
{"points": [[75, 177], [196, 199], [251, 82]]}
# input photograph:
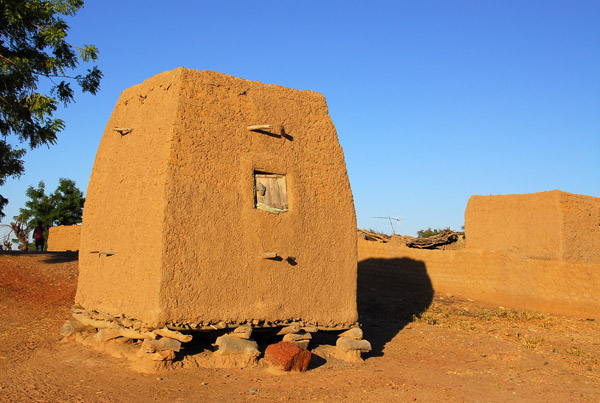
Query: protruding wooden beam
{"points": [[255, 128], [268, 255], [123, 130], [104, 252]]}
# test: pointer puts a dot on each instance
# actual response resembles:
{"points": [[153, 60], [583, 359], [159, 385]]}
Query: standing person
{"points": [[38, 234]]}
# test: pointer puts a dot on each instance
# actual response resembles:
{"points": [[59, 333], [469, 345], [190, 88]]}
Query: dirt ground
{"points": [[426, 347]]}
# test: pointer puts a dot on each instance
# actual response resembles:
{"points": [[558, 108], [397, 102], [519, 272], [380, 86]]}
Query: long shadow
{"points": [[390, 292], [60, 257], [49, 257]]}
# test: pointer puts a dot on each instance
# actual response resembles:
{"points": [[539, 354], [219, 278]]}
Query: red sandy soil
{"points": [[456, 350]]}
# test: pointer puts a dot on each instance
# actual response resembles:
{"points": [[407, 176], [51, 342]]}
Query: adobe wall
{"points": [[501, 278], [174, 201], [64, 238], [213, 266], [125, 202], [581, 228], [549, 225]]}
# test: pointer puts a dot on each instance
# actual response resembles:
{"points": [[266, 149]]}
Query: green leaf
{"points": [[89, 53]]}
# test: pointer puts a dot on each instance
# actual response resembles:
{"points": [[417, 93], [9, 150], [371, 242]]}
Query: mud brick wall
{"points": [[498, 278], [172, 232], [64, 238], [551, 225]]}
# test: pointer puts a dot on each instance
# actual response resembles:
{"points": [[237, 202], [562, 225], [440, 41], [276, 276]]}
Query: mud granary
{"points": [[218, 200]]}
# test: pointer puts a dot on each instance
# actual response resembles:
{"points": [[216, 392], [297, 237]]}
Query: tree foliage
{"points": [[11, 164], [67, 202], [63, 207], [33, 47]]}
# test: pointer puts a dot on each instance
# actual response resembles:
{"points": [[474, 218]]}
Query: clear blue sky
{"points": [[433, 101]]}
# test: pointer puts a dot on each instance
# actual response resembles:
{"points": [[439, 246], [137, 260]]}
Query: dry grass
{"points": [[533, 331]]}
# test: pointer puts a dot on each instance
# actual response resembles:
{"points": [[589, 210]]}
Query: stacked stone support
{"points": [[350, 344]]}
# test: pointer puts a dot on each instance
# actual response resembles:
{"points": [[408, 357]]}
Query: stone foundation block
{"points": [[288, 356], [74, 326], [354, 333], [164, 343], [242, 332], [233, 345], [107, 334], [349, 344]]}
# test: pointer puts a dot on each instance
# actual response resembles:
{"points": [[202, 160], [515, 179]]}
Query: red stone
{"points": [[288, 356]]}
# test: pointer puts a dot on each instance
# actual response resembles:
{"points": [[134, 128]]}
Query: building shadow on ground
{"points": [[47, 257], [390, 293], [60, 257]]}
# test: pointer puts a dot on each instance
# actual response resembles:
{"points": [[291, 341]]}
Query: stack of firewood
{"points": [[435, 241]]}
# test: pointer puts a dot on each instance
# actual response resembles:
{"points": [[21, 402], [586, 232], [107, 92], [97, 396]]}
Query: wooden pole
{"points": [[259, 127]]}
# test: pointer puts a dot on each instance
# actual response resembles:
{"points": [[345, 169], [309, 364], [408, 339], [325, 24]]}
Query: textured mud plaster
{"points": [[64, 238], [549, 225], [498, 277], [173, 201]]}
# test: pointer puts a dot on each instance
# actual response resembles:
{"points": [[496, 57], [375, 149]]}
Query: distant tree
{"points": [[63, 207], [20, 230], [426, 233], [67, 201], [5, 242], [33, 47], [17, 229]]}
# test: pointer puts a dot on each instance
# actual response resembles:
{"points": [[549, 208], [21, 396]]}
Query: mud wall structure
{"points": [[64, 238], [499, 278], [551, 225], [536, 251], [173, 230]]}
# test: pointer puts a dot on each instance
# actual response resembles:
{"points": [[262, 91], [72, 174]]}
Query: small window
{"points": [[270, 192]]}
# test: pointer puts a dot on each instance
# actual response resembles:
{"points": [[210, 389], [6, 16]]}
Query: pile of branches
{"points": [[372, 236], [444, 238], [19, 229]]}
